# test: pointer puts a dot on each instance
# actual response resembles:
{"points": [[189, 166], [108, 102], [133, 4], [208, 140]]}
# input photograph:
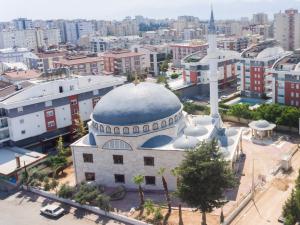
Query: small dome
{"points": [[231, 132], [225, 142], [262, 123], [157, 141], [204, 120], [186, 142], [132, 104], [195, 131]]}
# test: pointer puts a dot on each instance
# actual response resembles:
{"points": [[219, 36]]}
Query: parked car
{"points": [[224, 97], [52, 210]]}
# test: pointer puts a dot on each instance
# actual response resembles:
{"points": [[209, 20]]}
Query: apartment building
{"points": [[287, 29], [81, 64], [12, 55], [123, 62], [255, 61], [33, 113], [196, 70], [180, 51], [233, 43], [286, 80]]}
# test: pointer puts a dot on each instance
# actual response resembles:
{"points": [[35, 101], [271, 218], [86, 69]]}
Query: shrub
{"points": [[174, 76], [66, 191]]}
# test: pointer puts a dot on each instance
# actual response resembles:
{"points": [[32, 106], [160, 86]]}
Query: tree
{"points": [[166, 189], [240, 111], [80, 129], [164, 66], [204, 176], [138, 180], [86, 194], [53, 185]]}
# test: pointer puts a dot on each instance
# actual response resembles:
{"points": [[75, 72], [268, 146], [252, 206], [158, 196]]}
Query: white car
{"points": [[52, 210]]}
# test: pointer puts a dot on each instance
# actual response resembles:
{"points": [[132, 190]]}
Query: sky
{"points": [[118, 9]]}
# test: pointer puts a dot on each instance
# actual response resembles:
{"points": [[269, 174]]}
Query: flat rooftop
{"points": [[8, 163]]}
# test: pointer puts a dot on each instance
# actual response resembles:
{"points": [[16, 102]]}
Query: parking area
{"points": [[23, 208]]}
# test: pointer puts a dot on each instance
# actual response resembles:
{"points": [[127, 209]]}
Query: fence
{"points": [[93, 209]]}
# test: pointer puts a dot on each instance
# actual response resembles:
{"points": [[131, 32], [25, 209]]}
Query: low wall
{"points": [[279, 128], [235, 212], [93, 209]]}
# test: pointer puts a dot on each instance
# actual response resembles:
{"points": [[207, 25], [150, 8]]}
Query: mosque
{"points": [[139, 128]]}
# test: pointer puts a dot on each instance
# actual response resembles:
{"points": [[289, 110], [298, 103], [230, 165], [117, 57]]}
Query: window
{"points": [[119, 178], [117, 130], [108, 130], [87, 158], [146, 128], [163, 123], [74, 102], [118, 159], [125, 130], [149, 161], [71, 87], [170, 121], [20, 109], [292, 94], [51, 123], [101, 128], [150, 180], [89, 176], [21, 121], [50, 113], [155, 126], [135, 130], [61, 90], [117, 145], [23, 132]]}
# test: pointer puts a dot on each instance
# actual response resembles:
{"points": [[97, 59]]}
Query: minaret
{"points": [[212, 54]]}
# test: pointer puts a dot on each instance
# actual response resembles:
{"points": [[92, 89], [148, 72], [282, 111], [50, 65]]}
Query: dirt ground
{"points": [[68, 176]]}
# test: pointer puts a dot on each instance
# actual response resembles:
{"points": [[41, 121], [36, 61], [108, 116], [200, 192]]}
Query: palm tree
{"points": [[138, 180], [166, 190]]}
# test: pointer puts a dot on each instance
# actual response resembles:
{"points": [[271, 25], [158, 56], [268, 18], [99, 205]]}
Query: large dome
{"points": [[136, 104]]}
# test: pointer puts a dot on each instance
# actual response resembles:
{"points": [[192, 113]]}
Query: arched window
{"points": [[155, 126], [136, 130], [117, 145], [170, 121], [146, 128], [117, 130], [125, 130], [163, 123], [108, 130], [101, 128], [176, 118]]}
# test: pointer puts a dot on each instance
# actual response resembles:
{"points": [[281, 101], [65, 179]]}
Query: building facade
{"points": [[37, 112], [255, 80], [286, 80], [123, 62], [180, 51], [287, 29]]}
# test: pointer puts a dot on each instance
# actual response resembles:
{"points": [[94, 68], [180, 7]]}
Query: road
{"points": [[269, 202], [22, 208]]}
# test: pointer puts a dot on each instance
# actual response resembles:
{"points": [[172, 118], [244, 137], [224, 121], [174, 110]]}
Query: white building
{"points": [[287, 29], [11, 55], [35, 112], [18, 38], [140, 128], [70, 31]]}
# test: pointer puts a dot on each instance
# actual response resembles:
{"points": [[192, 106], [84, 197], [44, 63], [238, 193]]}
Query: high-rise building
{"points": [[287, 29], [260, 19], [23, 24]]}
